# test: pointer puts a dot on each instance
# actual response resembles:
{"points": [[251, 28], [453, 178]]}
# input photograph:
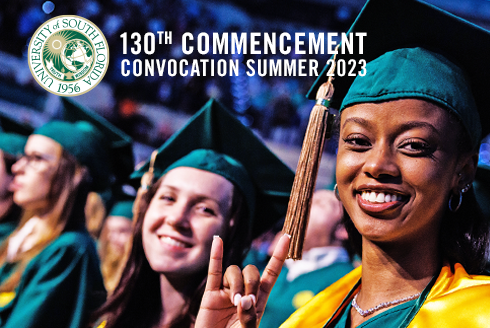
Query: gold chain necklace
{"points": [[380, 306]]}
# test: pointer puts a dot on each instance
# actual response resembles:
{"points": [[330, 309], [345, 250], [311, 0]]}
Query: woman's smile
{"points": [[372, 202], [377, 199], [174, 243]]}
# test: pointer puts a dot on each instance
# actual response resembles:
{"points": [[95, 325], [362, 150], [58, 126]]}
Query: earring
{"points": [[336, 192], [460, 200], [466, 188]]}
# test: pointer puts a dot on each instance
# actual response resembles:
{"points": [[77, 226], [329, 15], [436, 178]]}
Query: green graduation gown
{"points": [[60, 287], [287, 296]]}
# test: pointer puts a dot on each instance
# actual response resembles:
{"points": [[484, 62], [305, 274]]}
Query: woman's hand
{"points": [[238, 298]]}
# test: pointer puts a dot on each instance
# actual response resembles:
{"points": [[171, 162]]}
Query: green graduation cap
{"points": [[123, 208], [12, 143], [86, 143], [214, 140], [415, 50], [120, 144]]}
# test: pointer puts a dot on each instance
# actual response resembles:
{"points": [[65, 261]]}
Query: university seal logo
{"points": [[68, 55]]}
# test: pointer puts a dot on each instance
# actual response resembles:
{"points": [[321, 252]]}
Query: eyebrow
{"points": [[199, 197], [357, 120], [418, 124], [42, 155], [404, 127]]}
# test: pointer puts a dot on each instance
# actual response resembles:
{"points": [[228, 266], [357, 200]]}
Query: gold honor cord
{"points": [[318, 130]]}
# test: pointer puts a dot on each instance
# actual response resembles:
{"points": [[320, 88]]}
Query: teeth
{"points": [[173, 242], [381, 197]]}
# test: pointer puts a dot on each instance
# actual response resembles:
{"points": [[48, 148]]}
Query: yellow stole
{"points": [[102, 324], [6, 298], [456, 300]]}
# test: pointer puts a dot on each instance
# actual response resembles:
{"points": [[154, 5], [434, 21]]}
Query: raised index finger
{"points": [[215, 271], [273, 268]]}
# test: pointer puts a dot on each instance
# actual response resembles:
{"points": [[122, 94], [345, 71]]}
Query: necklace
{"points": [[383, 305]]}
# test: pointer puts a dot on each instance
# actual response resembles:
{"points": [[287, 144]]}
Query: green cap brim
{"points": [[12, 143], [121, 149], [392, 25], [214, 128], [123, 208]]}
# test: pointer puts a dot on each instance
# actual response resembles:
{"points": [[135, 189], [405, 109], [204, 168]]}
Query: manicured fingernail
{"points": [[246, 303], [215, 236], [289, 236], [252, 297], [237, 299]]}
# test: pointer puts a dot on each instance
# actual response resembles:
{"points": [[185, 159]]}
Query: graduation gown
{"points": [[287, 296], [60, 287], [454, 299]]}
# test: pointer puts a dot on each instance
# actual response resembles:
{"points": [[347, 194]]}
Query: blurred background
{"points": [[150, 109]]}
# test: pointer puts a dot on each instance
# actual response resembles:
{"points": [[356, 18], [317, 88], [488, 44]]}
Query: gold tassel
{"points": [[146, 183], [319, 128]]}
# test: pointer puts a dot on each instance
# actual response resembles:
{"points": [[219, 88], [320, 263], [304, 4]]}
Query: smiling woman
{"points": [[410, 130], [206, 186], [408, 152]]}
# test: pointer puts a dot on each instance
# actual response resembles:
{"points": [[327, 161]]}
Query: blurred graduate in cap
{"points": [[121, 164], [49, 268], [12, 141], [410, 130], [115, 242], [213, 177]]}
